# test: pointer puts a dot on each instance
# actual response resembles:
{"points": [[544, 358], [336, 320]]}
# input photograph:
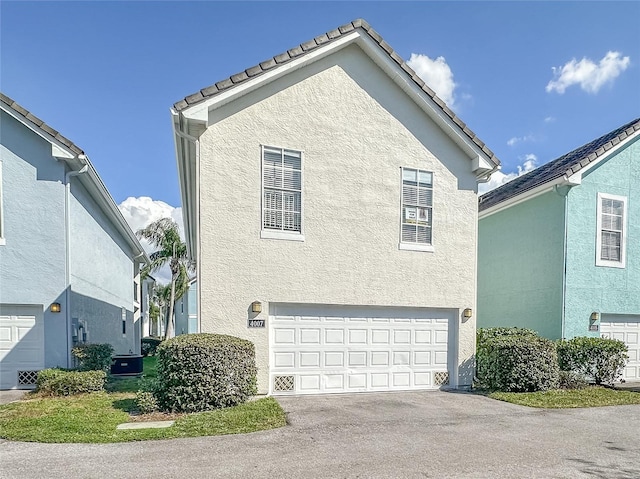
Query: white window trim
{"points": [[428, 248], [3, 241], [278, 234], [623, 243]]}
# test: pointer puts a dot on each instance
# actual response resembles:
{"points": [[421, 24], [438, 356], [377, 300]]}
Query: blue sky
{"points": [[534, 80]]}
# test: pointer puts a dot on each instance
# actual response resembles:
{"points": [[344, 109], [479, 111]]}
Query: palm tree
{"points": [[164, 235]]}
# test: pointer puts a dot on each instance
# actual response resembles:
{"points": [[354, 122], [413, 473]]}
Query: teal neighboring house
{"points": [[559, 247], [187, 310]]}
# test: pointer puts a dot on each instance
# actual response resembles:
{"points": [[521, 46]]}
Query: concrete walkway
{"points": [[12, 395]]}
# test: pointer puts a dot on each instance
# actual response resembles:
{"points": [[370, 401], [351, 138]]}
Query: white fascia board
{"points": [[576, 178], [58, 150], [200, 111], [525, 196], [426, 103]]}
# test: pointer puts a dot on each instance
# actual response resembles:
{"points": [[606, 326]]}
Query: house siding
{"points": [[520, 266], [601, 289], [33, 260], [102, 275], [32, 266], [356, 129]]}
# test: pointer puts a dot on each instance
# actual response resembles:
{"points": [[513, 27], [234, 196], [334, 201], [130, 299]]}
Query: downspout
{"points": [[67, 237], [564, 259]]}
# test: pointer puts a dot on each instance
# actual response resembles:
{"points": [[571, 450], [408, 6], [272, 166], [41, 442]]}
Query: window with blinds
{"points": [[282, 190], [417, 207], [611, 239]]}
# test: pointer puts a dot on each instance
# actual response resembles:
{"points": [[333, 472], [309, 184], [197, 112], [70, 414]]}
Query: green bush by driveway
{"points": [[516, 360]]}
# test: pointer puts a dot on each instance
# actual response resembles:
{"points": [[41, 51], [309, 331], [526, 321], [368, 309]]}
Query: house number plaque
{"points": [[256, 323]]}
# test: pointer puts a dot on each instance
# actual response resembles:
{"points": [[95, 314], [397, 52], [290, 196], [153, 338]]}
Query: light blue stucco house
{"points": [[559, 247], [187, 310], [69, 263]]}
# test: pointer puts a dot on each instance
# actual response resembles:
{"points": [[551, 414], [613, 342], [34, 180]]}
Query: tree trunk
{"points": [[170, 331]]}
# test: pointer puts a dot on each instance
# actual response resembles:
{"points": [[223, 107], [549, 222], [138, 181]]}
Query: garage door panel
{"points": [[626, 329], [344, 353], [21, 344]]}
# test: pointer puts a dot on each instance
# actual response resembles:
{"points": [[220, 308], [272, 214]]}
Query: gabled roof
{"points": [[563, 167], [307, 47], [40, 124], [64, 149]]}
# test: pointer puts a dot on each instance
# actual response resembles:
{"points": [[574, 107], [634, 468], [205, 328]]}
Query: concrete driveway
{"points": [[394, 435]]}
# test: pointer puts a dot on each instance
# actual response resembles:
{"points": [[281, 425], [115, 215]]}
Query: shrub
{"points": [[485, 337], [146, 402], [201, 372], [149, 346], [571, 380], [599, 359], [60, 382], [93, 357], [516, 360]]}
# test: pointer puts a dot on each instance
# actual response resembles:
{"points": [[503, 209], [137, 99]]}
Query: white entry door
{"points": [[338, 349], [21, 345], [626, 329]]}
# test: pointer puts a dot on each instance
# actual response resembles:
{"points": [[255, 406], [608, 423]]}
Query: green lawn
{"points": [[92, 418], [571, 398]]}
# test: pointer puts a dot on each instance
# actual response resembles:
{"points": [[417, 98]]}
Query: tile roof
{"points": [[567, 164], [41, 124], [310, 45]]}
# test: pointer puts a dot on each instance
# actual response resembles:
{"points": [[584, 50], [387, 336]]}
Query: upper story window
{"points": [[611, 237], [416, 210], [281, 193]]}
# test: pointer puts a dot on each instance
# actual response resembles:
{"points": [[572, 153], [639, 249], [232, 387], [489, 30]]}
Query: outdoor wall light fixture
{"points": [[256, 307], [55, 307], [595, 316], [467, 313]]}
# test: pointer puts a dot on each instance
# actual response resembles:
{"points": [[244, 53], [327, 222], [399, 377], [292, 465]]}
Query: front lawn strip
{"points": [[593, 396], [93, 418]]}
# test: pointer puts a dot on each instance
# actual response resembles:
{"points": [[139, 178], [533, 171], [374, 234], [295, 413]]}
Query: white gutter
{"points": [[67, 237]]}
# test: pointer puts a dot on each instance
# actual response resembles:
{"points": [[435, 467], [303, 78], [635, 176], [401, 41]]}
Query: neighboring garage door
{"points": [[627, 329], [21, 345], [342, 349]]}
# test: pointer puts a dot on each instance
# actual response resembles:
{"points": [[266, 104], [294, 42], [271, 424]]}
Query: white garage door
{"points": [[339, 349], [626, 329], [21, 345]]}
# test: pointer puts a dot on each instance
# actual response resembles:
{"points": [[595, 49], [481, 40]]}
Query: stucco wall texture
{"points": [[356, 129], [602, 289], [520, 266]]}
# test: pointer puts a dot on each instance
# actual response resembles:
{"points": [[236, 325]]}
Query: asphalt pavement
{"points": [[391, 435]]}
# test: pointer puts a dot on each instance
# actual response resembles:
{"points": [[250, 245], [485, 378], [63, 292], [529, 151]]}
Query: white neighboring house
{"points": [[330, 202], [69, 262], [146, 291]]}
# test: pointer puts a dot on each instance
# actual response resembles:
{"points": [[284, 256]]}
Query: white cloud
{"points": [[587, 74], [549, 119], [499, 178], [140, 212], [519, 139], [436, 74]]}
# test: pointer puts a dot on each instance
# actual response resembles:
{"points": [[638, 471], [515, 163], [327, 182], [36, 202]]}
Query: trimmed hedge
{"points": [[599, 359], [150, 345], [93, 357], [516, 360], [201, 372], [60, 382]]}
